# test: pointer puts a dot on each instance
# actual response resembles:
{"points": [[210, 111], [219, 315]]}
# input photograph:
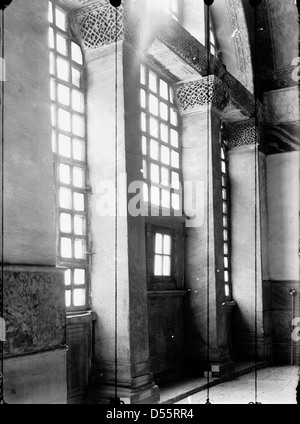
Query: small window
{"points": [[226, 220]]}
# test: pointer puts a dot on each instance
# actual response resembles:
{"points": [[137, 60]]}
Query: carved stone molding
{"points": [[34, 309], [242, 133], [241, 41]]}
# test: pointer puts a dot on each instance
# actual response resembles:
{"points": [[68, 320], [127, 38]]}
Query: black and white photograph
{"points": [[149, 205]]}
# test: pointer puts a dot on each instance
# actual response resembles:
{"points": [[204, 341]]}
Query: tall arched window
{"points": [[69, 149]]}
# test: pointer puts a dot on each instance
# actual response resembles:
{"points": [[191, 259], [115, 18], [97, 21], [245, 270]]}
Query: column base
{"points": [[105, 394], [223, 369]]}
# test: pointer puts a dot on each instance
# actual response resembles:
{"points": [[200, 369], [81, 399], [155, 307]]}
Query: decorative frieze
{"points": [[241, 39]]}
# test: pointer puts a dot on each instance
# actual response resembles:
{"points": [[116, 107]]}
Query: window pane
{"points": [[175, 180], [224, 194], [174, 138], [65, 223], [78, 125], [76, 53], [77, 101], [143, 75], [225, 235], [154, 127], [53, 115], [155, 196], [78, 150], [153, 105], [226, 276], [145, 193], [79, 202], [175, 159], [158, 243], [152, 82], [52, 90], [68, 277], [63, 69], [223, 167], [61, 44], [68, 298], [54, 141], [64, 145], [175, 201], [64, 120], [145, 169], [64, 174], [165, 198], [166, 266], [164, 111], [158, 265], [144, 146], [65, 198], [63, 94], [76, 77], [167, 245], [224, 208], [78, 177], [79, 297], [51, 38], [163, 89], [165, 176], [225, 221], [143, 98], [154, 173], [164, 133], [52, 63], [80, 249], [225, 262], [79, 277], [226, 249], [174, 117], [227, 290], [60, 19], [144, 122], [66, 247], [79, 225], [165, 155], [154, 150], [50, 12]]}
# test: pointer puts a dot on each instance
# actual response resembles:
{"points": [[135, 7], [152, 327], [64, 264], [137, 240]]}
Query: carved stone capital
{"points": [[195, 95], [100, 24], [242, 133]]}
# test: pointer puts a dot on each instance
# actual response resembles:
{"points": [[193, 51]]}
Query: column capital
{"points": [[244, 133], [197, 94], [97, 23]]}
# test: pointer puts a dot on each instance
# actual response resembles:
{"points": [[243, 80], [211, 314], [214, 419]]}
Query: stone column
{"points": [[199, 101], [249, 236], [34, 307], [126, 373]]}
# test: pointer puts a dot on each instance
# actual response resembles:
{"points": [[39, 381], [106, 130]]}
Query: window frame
{"points": [[227, 215], [152, 208], [71, 264]]}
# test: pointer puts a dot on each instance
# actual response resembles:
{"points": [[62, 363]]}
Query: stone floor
{"points": [[276, 385]]}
